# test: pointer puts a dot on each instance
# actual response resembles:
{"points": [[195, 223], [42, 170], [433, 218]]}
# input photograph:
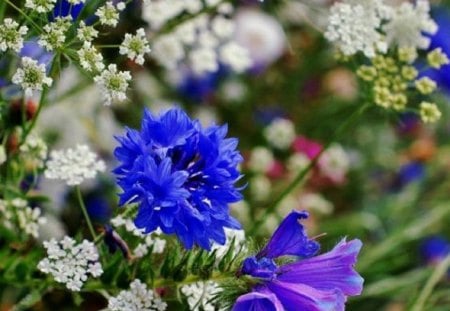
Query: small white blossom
{"points": [[54, 34], [260, 188], [199, 295], [429, 112], [29, 220], [40, 6], [315, 202], [168, 51], [355, 26], [280, 133], [108, 14], [73, 165], [235, 56], [86, 33], [2, 155], [90, 58], [137, 298], [34, 150], [32, 76], [113, 84], [408, 24], [135, 47], [261, 160], [238, 236], [334, 163], [11, 35], [222, 27], [70, 263], [203, 60]]}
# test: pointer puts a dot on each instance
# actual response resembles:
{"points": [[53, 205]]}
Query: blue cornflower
{"points": [[181, 175], [319, 283], [434, 249]]}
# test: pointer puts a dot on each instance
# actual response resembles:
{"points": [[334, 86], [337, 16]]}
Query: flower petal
{"points": [[258, 301], [290, 239], [328, 271]]}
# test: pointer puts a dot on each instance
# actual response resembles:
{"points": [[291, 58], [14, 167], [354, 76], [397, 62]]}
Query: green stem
{"points": [[29, 19], [85, 213], [438, 274], [302, 174]]}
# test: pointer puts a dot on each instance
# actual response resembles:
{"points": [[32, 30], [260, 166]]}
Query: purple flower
{"points": [[313, 283]]}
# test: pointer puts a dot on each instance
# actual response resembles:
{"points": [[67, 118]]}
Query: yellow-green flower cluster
{"points": [[390, 77]]}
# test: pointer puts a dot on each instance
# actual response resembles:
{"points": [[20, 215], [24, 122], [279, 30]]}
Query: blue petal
{"points": [[290, 239], [258, 301]]}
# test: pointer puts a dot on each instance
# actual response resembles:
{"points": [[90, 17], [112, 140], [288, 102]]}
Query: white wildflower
{"points": [[355, 26], [280, 133], [334, 163], [222, 27], [408, 24], [261, 160], [203, 60], [108, 14], [429, 112], [40, 6], [86, 33], [297, 162], [168, 50], [29, 220], [235, 56], [199, 295], [237, 237], [34, 150], [73, 165], [315, 202], [90, 58], [32, 76], [70, 263], [54, 34], [113, 84], [135, 47], [260, 188], [11, 35], [138, 297]]}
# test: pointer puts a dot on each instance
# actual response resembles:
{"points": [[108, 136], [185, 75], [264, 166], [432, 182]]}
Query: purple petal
{"points": [[328, 271], [290, 239], [258, 301], [296, 297]]}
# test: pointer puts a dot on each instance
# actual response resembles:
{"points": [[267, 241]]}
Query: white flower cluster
{"points": [[371, 26], [86, 33], [149, 241], [11, 35], [280, 133], [34, 150], [138, 298], [408, 24], [261, 160], [108, 14], [16, 212], [90, 58], [74, 165], [113, 84], [199, 295], [237, 237], [40, 6], [54, 34], [135, 47], [334, 163], [70, 263], [32, 76], [203, 41]]}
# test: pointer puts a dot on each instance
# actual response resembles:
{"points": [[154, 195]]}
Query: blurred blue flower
{"points": [[64, 8], [408, 173], [33, 50], [98, 208], [434, 249], [310, 284], [182, 176]]}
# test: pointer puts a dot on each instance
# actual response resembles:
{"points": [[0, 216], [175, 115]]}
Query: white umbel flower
{"points": [[355, 26], [109, 14], [113, 84], [334, 163], [408, 24], [32, 76], [70, 263], [203, 60], [54, 34], [40, 6], [199, 295], [168, 50], [90, 58], [280, 133], [11, 35], [86, 33], [261, 160], [137, 298], [235, 56], [135, 47], [73, 165]]}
